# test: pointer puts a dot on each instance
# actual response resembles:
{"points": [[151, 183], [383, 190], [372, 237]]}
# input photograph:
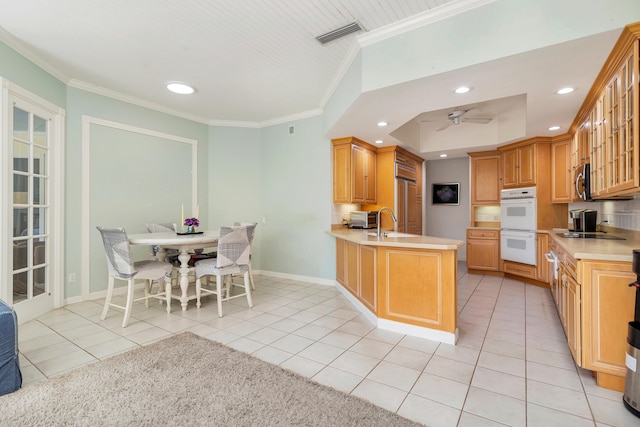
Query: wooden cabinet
{"points": [[354, 171], [608, 121], [519, 166], [485, 178], [607, 306], [561, 176], [355, 270], [573, 321], [542, 267], [483, 250]]}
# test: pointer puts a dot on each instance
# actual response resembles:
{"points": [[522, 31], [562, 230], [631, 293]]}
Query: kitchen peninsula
{"points": [[402, 282]]}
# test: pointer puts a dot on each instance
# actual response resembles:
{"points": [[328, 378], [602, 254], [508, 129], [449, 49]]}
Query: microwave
{"points": [[583, 182], [363, 219]]}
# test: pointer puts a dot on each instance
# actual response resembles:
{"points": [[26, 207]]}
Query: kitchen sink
{"points": [[590, 236]]}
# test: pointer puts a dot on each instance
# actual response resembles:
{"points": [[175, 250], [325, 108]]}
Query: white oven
{"points": [[518, 209], [518, 246], [518, 223]]}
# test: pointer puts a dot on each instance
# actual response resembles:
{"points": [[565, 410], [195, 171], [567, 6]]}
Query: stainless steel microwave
{"points": [[363, 219], [583, 182]]}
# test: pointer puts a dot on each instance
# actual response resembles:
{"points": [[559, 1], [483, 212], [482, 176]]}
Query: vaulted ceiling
{"points": [[255, 63]]}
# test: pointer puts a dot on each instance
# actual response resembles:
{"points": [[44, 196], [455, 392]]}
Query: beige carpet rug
{"points": [[186, 380]]}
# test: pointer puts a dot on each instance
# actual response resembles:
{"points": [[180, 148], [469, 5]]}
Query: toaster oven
{"points": [[363, 219]]}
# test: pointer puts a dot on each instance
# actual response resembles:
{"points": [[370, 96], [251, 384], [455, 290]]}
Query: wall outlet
{"points": [[72, 277]]}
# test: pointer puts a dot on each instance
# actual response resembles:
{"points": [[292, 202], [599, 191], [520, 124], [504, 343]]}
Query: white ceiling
{"points": [[255, 63]]}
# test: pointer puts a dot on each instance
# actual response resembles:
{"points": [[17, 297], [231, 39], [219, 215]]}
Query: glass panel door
{"points": [[29, 222]]}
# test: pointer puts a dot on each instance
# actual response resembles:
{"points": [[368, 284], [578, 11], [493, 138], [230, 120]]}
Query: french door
{"points": [[31, 282]]}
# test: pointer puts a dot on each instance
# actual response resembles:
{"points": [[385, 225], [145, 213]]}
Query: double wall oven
{"points": [[518, 225]]}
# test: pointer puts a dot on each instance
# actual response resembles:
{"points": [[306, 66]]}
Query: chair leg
{"points": [[107, 301], [247, 288], [127, 307], [148, 285], [167, 295], [219, 294], [253, 285], [198, 291]]}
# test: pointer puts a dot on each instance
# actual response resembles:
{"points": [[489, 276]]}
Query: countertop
{"points": [[399, 240], [599, 249]]}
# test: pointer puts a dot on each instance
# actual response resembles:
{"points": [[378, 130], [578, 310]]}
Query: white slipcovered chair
{"points": [[121, 266], [249, 224], [234, 248]]}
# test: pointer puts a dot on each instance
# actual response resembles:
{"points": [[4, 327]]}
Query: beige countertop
{"points": [[400, 240], [599, 249]]}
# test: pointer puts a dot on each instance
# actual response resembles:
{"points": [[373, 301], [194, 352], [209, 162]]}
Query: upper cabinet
{"points": [[605, 123], [354, 171], [519, 164], [562, 189], [485, 178]]}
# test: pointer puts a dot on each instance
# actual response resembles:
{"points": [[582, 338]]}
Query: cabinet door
{"points": [[607, 307], [483, 254], [573, 319], [341, 262], [401, 198], [370, 177], [368, 277], [485, 180], [413, 210], [561, 176], [358, 165], [510, 168], [542, 247], [342, 173], [352, 267], [527, 165]]}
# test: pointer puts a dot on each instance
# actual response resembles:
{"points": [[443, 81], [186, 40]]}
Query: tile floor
{"points": [[511, 365]]}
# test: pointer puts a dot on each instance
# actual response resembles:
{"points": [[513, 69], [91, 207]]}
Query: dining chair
{"points": [[249, 224], [234, 248], [121, 266]]}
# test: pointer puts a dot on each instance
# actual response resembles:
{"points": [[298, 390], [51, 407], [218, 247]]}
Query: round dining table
{"points": [[182, 242]]}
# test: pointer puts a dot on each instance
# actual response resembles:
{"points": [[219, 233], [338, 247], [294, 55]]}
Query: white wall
{"points": [[445, 220]]}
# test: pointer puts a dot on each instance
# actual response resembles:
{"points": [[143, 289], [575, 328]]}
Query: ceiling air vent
{"points": [[351, 28]]}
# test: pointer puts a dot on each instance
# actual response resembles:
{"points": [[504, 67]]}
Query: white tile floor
{"points": [[511, 366]]}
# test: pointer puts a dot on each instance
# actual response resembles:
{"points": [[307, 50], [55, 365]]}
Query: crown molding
{"points": [[98, 90], [427, 17]]}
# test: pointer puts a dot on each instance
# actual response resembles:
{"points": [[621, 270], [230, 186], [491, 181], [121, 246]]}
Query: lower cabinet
{"points": [[483, 249], [356, 271], [607, 308]]}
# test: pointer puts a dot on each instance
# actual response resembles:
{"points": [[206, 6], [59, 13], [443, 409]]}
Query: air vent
{"points": [[351, 28]]}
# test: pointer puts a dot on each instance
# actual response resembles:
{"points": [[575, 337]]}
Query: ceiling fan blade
{"points": [[480, 120], [444, 127]]}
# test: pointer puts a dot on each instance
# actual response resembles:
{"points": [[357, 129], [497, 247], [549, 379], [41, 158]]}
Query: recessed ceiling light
{"points": [[565, 90], [443, 155], [382, 124], [462, 89], [554, 128], [379, 141], [181, 88]]}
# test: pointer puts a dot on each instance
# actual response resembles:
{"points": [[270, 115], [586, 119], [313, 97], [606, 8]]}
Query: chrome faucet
{"points": [[393, 217]]}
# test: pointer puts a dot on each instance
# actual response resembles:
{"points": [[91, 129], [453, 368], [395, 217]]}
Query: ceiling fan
{"points": [[458, 116]]}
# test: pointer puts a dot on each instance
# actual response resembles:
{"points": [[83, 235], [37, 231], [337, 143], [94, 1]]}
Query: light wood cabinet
{"points": [[542, 267], [356, 271], [608, 121], [483, 250], [354, 171], [519, 166], [607, 307], [561, 176], [485, 178]]}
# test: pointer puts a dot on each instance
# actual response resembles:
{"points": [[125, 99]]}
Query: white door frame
{"points": [[10, 92]]}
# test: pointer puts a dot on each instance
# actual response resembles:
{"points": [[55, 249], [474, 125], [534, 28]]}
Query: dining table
{"points": [[183, 242]]}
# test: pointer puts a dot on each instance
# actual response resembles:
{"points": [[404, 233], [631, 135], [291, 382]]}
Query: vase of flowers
{"points": [[191, 224]]}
